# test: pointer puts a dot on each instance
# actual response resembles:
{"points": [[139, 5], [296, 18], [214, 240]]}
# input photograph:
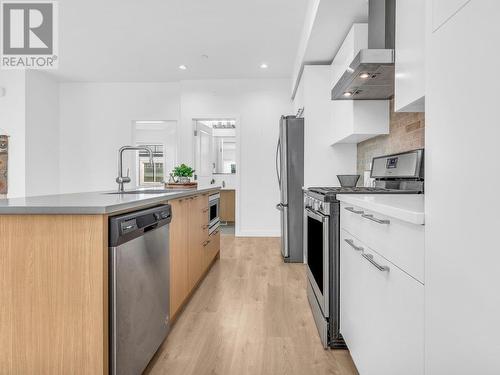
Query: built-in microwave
{"points": [[213, 212]]}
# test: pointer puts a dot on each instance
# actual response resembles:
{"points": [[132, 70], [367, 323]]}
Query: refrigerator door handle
{"points": [[281, 206], [277, 161]]}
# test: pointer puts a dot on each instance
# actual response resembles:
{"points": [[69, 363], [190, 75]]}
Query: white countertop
{"points": [[405, 207]]}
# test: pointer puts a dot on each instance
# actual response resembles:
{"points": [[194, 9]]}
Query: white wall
{"points": [[96, 120], [13, 123], [462, 306], [322, 161], [42, 134], [258, 105]]}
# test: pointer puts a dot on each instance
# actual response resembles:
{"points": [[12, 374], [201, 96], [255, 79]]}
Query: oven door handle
{"points": [[316, 215]]}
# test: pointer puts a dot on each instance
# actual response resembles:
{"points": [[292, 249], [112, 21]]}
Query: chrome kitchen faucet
{"points": [[120, 180]]}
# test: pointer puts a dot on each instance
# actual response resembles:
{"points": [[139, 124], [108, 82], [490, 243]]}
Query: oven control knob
{"points": [[320, 206]]}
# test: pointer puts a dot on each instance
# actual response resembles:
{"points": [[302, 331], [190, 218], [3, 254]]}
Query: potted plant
{"points": [[183, 173]]}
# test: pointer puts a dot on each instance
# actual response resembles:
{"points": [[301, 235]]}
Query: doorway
{"points": [[216, 156]]}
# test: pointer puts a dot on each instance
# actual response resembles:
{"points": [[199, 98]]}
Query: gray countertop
{"points": [[89, 203]]}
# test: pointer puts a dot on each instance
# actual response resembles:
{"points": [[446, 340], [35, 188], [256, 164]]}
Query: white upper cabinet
{"points": [[409, 94], [444, 10], [354, 121]]}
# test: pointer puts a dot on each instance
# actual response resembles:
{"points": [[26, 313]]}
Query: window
{"points": [[151, 174]]}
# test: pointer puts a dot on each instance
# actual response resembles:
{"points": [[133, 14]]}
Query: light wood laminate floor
{"points": [[249, 316]]}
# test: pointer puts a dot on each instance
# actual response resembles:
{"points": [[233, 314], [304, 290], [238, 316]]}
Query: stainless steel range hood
{"points": [[370, 76]]}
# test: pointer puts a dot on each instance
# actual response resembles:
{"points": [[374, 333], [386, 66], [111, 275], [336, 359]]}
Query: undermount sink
{"points": [[148, 191]]}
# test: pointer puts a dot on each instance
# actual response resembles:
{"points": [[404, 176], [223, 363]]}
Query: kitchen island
{"points": [[105, 202], [54, 311]]}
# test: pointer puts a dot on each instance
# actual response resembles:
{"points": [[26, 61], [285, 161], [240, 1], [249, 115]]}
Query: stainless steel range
{"points": [[394, 174]]}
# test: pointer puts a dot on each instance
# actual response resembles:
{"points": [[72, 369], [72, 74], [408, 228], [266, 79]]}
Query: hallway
{"points": [[249, 316]]}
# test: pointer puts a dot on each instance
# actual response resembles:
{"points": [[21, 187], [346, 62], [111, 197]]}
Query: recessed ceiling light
{"points": [[364, 75], [347, 93], [263, 66], [182, 67]]}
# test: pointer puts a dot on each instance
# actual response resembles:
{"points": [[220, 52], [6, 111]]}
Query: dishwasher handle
{"points": [[126, 227], [151, 227]]}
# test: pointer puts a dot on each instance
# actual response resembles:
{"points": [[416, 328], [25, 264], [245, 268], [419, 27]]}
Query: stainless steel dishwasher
{"points": [[139, 287]]}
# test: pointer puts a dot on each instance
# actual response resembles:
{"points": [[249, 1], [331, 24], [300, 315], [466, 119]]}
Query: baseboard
{"points": [[258, 233]]}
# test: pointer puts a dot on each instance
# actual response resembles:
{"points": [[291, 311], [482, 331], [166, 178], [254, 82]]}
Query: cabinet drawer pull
{"points": [[379, 221], [206, 243], [205, 210], [369, 258], [204, 226], [354, 211], [351, 243]]}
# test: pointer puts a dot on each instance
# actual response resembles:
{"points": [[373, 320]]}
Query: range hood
{"points": [[370, 76]]}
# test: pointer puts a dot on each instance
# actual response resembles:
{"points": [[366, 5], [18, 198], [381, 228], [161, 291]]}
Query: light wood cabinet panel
{"points": [[198, 218], [53, 294], [227, 205], [212, 247], [179, 242], [188, 247]]}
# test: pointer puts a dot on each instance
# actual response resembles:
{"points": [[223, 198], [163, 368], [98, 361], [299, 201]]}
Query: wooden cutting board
{"points": [[189, 185]]}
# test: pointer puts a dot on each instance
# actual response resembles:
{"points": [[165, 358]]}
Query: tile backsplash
{"points": [[407, 132]]}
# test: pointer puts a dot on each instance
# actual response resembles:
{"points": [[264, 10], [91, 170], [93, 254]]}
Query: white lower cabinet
{"points": [[382, 312], [400, 242]]}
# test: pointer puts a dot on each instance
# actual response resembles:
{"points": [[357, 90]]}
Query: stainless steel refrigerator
{"points": [[290, 173]]}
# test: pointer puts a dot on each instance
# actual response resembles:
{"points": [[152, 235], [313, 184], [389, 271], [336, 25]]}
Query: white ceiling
{"points": [[325, 28], [333, 21], [146, 41]]}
